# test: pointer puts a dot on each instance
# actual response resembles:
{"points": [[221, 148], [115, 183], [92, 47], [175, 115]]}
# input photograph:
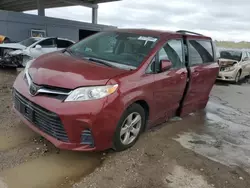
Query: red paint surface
{"points": [[162, 92]]}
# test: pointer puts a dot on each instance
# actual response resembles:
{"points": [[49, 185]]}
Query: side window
{"points": [[244, 55], [200, 51], [172, 51], [63, 43], [47, 43], [151, 67]]}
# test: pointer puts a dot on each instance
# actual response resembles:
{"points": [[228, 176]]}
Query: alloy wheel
{"points": [[237, 77], [130, 128]]}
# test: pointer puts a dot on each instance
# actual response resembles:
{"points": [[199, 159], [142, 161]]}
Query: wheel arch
{"points": [[144, 104]]}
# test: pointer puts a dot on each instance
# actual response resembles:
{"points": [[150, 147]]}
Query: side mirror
{"points": [[38, 47], [165, 65]]}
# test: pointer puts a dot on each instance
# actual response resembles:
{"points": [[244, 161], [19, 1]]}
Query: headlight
{"points": [[227, 69], [91, 93]]}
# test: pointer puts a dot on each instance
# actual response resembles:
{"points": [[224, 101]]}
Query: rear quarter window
{"points": [[200, 51], [63, 43]]}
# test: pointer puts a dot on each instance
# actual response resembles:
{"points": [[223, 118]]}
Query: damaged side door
{"points": [[169, 85], [203, 70]]}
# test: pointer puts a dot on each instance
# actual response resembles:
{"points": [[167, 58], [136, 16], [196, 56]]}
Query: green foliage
{"points": [[231, 44]]}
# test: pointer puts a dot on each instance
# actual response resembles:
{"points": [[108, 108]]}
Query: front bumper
{"points": [[227, 76], [98, 117], [7, 62], [14, 61]]}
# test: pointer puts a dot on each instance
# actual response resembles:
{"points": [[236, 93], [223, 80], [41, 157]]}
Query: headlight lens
{"points": [[227, 69], [91, 93]]}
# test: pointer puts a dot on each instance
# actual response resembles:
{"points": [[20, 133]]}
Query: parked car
{"points": [[234, 65], [105, 90], [18, 54]]}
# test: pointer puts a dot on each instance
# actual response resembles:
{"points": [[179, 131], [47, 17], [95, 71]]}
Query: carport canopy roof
{"points": [[24, 5]]}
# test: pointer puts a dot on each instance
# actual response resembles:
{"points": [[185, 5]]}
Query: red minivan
{"points": [[105, 90]]}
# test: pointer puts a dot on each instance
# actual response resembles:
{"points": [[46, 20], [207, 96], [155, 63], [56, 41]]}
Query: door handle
{"points": [[196, 73], [183, 75]]}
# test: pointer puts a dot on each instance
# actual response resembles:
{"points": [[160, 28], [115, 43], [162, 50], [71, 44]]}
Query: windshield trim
{"points": [[31, 38]]}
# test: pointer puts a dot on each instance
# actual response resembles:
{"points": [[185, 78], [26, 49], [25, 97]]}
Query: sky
{"points": [[220, 19]]}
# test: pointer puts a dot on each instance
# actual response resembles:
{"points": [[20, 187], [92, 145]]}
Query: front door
{"points": [[48, 45], [203, 72], [169, 86], [245, 61]]}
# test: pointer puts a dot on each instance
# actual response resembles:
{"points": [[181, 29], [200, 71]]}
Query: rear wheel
{"points": [[129, 127]]}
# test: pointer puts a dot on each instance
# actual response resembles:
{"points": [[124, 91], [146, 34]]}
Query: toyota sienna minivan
{"points": [[105, 90]]}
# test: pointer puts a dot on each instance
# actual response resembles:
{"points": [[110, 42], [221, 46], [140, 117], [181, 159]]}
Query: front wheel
{"points": [[237, 77], [129, 127]]}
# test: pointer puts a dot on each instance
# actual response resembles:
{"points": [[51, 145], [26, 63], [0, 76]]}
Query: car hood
{"points": [[64, 71], [226, 62], [15, 46]]}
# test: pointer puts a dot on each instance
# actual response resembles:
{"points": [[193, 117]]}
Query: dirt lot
{"points": [[206, 149]]}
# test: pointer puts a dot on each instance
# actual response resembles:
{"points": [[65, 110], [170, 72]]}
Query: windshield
{"points": [[115, 47], [234, 55], [29, 41]]}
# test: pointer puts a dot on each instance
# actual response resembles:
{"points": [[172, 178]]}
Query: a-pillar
{"points": [[40, 8], [94, 15]]}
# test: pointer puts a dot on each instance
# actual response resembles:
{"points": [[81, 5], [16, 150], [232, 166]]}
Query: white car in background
{"points": [[234, 65], [18, 54]]}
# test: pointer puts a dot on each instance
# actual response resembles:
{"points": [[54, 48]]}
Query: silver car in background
{"points": [[234, 65], [18, 54]]}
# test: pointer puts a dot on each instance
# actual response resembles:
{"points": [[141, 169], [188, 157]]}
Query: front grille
{"points": [[43, 119]]}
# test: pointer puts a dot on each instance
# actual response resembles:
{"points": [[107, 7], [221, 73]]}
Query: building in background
{"points": [[18, 26]]}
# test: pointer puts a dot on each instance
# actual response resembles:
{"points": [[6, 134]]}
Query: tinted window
{"points": [[47, 43], [200, 52], [151, 67], [63, 43], [230, 54], [172, 51]]}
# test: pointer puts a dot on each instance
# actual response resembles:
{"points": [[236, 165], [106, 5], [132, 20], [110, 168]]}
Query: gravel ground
{"points": [[168, 156]]}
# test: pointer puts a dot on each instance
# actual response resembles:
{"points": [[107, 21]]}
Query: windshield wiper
{"points": [[69, 51], [101, 62]]}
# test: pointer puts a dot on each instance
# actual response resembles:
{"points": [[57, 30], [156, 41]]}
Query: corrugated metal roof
{"points": [[24, 5]]}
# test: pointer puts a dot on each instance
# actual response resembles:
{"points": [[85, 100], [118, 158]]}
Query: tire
{"points": [[237, 77], [134, 112]]}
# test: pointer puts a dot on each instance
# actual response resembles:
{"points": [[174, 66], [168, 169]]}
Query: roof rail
{"points": [[188, 32]]}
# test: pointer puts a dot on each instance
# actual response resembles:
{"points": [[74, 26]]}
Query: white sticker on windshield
{"points": [[152, 39]]}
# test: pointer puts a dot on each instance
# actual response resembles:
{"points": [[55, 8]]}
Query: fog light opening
{"points": [[87, 138]]}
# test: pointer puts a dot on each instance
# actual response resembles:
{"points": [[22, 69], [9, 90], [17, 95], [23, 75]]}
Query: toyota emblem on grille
{"points": [[33, 89]]}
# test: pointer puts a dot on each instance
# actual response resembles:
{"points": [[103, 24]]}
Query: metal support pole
{"points": [[94, 15], [40, 8]]}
